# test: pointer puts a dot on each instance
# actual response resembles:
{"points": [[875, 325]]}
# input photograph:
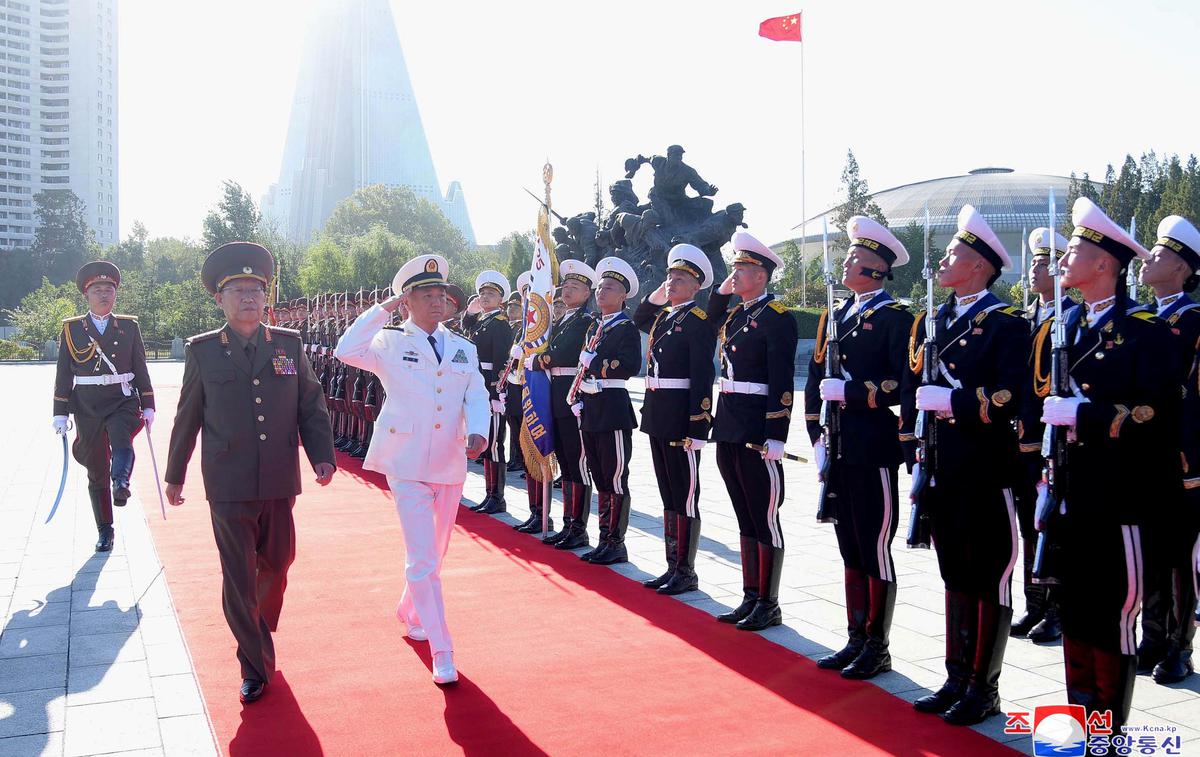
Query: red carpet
{"points": [[555, 656]]}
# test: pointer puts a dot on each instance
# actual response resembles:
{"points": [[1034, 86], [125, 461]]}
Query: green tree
{"points": [[235, 219], [190, 309], [40, 315], [401, 212], [471, 263], [857, 196], [376, 256], [20, 276], [63, 241], [326, 268], [520, 257], [1123, 191], [130, 254]]}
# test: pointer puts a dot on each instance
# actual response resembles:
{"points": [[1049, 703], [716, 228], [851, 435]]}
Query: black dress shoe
{"points": [[251, 690], [105, 542], [573, 539], [1025, 623], [764, 615], [942, 699], [843, 656], [614, 554], [121, 495], [497, 505], [600, 548], [486, 503], [739, 613], [654, 583], [1175, 667], [874, 659], [974, 708], [1048, 630]]}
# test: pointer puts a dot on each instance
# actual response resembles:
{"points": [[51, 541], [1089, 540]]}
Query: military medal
{"points": [[283, 365]]}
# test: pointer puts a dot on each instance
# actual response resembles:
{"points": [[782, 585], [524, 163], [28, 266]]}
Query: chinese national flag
{"points": [[781, 29]]}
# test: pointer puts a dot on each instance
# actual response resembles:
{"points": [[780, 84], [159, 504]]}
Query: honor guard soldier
{"points": [[251, 390], [677, 410], [1123, 436], [612, 354], [872, 336], [982, 348], [436, 409], [512, 385], [1040, 621], [488, 328], [561, 361], [102, 378], [1169, 602], [757, 345], [457, 300]]}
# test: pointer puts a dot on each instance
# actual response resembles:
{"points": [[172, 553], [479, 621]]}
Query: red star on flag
{"points": [[781, 28]]}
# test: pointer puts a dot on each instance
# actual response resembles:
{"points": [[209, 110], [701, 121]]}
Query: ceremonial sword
{"points": [[154, 462], [62, 484]]}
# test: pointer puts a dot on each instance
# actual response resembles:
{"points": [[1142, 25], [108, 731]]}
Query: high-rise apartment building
{"points": [[58, 111]]}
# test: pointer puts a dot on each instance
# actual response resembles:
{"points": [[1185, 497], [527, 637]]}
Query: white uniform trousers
{"points": [[427, 513]]}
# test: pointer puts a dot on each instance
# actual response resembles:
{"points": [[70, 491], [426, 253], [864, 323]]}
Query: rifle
{"points": [[591, 347], [920, 523], [1025, 271], [561, 219], [1131, 277], [831, 412], [1052, 505]]}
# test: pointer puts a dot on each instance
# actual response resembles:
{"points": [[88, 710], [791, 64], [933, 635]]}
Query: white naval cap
{"points": [[747, 249], [619, 270], [976, 234], [577, 270], [1093, 225], [1177, 234], [522, 282], [493, 279], [691, 259], [871, 234], [1042, 240], [423, 270]]}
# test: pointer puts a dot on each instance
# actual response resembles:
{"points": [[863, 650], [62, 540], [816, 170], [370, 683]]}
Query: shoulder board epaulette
{"points": [[501, 317], [778, 306], [75, 318], [1145, 316], [204, 337], [1016, 312], [284, 331], [126, 317], [898, 306], [394, 328], [699, 312]]}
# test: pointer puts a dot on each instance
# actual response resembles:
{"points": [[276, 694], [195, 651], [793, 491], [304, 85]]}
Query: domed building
{"points": [[1012, 203]]}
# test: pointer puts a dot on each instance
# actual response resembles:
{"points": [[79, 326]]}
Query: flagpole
{"points": [[803, 208], [548, 478]]}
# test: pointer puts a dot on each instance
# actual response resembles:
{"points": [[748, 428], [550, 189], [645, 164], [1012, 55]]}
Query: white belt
{"points": [[668, 383], [486, 366], [512, 378], [105, 380], [593, 386], [564, 371], [742, 387]]}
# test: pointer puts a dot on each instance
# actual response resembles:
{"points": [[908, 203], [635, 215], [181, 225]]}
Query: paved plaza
{"points": [[92, 659]]}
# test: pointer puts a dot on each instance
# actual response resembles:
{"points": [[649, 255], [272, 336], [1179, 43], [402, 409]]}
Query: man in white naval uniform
{"points": [[434, 418]]}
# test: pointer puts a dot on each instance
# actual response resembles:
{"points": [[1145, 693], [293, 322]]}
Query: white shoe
{"points": [[443, 668], [416, 633]]}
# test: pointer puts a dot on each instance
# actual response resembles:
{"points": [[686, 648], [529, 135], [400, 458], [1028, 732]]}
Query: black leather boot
{"points": [[495, 499], [1050, 627], [684, 579], [670, 546], [554, 537], [857, 604], [749, 549], [1080, 671], [537, 504], [489, 485], [1177, 665], [1156, 607], [122, 469], [766, 612], [580, 504], [102, 510], [1115, 674], [1035, 595], [962, 614], [618, 522], [604, 506], [875, 657], [982, 699]]}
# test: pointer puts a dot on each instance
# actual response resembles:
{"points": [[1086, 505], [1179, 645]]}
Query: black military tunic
{"points": [[678, 401], [561, 360], [874, 353], [607, 418], [493, 338]]}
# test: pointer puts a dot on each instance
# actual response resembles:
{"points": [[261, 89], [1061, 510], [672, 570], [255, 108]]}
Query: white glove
{"points": [[529, 363], [586, 358], [726, 286], [1061, 411], [515, 352], [773, 450], [498, 406], [577, 409], [659, 296], [935, 398], [833, 390], [819, 452], [696, 444], [148, 416], [60, 425]]}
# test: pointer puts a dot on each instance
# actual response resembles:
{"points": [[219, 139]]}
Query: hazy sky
{"points": [[918, 90]]}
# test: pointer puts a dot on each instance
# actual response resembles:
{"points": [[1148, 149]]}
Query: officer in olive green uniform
{"points": [[102, 379], [253, 392]]}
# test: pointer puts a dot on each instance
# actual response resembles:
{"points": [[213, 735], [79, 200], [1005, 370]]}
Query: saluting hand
{"points": [[324, 472], [391, 304], [659, 296], [726, 286]]}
